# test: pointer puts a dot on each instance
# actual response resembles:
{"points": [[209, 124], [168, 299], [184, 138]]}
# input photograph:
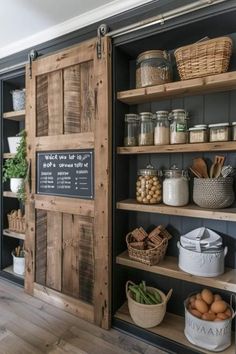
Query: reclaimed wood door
{"points": [[68, 239]]}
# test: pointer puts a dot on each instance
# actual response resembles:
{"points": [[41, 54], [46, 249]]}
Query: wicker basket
{"points": [[204, 58], [16, 221], [147, 316], [213, 193], [149, 256]]}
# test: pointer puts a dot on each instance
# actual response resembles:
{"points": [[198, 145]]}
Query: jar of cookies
{"points": [[148, 186]]}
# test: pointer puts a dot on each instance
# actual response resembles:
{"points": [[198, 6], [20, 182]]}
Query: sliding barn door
{"points": [[68, 207]]}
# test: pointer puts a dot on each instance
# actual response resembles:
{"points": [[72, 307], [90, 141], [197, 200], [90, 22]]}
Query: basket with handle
{"points": [[16, 221], [204, 58], [147, 316]]}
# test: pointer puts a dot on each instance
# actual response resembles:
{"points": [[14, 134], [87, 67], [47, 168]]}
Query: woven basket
{"points": [[16, 221], [213, 193], [150, 256], [147, 316], [204, 58]]}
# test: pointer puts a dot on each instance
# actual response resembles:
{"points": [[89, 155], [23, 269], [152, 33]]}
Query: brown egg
{"points": [[217, 297], [193, 304], [196, 313], [208, 316], [222, 316], [192, 298], [228, 312], [219, 306], [201, 306], [198, 296], [207, 296]]}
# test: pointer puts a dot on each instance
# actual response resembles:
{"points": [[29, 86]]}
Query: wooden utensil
{"points": [[216, 167], [196, 173], [200, 166]]}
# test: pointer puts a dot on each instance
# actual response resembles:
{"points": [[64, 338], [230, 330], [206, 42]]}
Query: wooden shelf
{"points": [[169, 267], [8, 155], [10, 270], [192, 211], [178, 148], [18, 116], [214, 83], [13, 234], [9, 194], [172, 327]]}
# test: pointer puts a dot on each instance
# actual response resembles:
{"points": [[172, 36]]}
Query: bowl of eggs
{"points": [[208, 320]]}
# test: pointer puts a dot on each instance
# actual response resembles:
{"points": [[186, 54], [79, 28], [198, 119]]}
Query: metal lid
{"points": [[151, 54], [146, 115], [174, 172], [233, 123], [218, 125], [131, 117], [148, 171], [200, 126], [197, 128], [175, 112]]}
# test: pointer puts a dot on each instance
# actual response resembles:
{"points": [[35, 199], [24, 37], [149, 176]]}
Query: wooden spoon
{"points": [[196, 173], [200, 166], [216, 167]]}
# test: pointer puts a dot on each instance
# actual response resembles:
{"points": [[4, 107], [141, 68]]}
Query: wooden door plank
{"points": [[41, 247], [72, 99], [42, 105], [87, 97], [63, 142], [65, 205], [54, 249], [55, 103], [103, 207]]}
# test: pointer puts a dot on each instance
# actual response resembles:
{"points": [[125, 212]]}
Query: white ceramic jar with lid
{"points": [[219, 132], [175, 187], [162, 128], [178, 126]]}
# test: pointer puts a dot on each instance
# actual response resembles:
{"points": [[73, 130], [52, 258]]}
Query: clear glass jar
{"points": [[162, 128], [198, 135], [146, 128], [219, 132], [175, 187], [153, 68], [178, 126], [148, 186], [131, 129], [234, 131]]}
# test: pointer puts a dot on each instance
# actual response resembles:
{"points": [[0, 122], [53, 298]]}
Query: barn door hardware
{"points": [[101, 31], [33, 54]]}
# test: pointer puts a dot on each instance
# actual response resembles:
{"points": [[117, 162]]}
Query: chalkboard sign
{"points": [[66, 173]]}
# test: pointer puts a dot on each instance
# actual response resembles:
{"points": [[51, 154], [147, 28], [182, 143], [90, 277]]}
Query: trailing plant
{"points": [[17, 166]]}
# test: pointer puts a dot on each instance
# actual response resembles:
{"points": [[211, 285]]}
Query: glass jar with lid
{"points": [[146, 128], [219, 132], [153, 67], [175, 187], [178, 126], [198, 134], [131, 129], [148, 186], [234, 131], [162, 128]]}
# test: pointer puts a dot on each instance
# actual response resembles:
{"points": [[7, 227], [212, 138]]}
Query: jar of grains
{"points": [[175, 187], [146, 129], [219, 132], [198, 134], [153, 68], [178, 127], [162, 128], [131, 129], [234, 131], [148, 186]]}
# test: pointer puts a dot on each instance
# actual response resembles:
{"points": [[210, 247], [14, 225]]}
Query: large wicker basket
{"points": [[147, 316], [213, 193], [149, 256], [204, 58]]}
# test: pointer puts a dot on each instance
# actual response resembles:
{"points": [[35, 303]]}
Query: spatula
{"points": [[200, 166], [216, 167]]}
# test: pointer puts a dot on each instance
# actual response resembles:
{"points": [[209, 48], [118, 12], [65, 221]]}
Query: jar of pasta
{"points": [[148, 186]]}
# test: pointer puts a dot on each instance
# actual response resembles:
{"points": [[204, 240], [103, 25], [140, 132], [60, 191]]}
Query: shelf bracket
{"points": [[33, 54], [101, 32]]}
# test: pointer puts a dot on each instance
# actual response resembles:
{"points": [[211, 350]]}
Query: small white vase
{"points": [[15, 184], [18, 265]]}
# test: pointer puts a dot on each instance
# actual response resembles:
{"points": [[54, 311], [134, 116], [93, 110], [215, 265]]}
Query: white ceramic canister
{"points": [[18, 265], [210, 335], [13, 143], [175, 187], [203, 264]]}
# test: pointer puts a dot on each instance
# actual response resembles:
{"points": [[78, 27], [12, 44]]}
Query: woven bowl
{"points": [[213, 193]]}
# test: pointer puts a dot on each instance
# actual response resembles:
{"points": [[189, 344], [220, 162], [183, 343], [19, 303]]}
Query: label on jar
{"points": [[181, 127]]}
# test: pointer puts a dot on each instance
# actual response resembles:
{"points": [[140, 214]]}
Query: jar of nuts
{"points": [[148, 186]]}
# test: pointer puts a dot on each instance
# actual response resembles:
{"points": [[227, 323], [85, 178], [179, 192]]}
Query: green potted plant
{"points": [[15, 169]]}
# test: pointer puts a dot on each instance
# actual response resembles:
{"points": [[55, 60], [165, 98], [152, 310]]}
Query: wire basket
{"points": [[204, 58]]}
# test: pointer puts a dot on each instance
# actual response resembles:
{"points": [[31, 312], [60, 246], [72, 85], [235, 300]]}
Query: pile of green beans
{"points": [[141, 294]]}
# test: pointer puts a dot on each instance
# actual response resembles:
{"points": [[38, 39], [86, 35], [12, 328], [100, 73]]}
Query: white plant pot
{"points": [[13, 143], [15, 184], [18, 265]]}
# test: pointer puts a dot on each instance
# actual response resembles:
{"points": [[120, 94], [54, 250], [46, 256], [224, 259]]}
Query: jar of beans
{"points": [[148, 186]]}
